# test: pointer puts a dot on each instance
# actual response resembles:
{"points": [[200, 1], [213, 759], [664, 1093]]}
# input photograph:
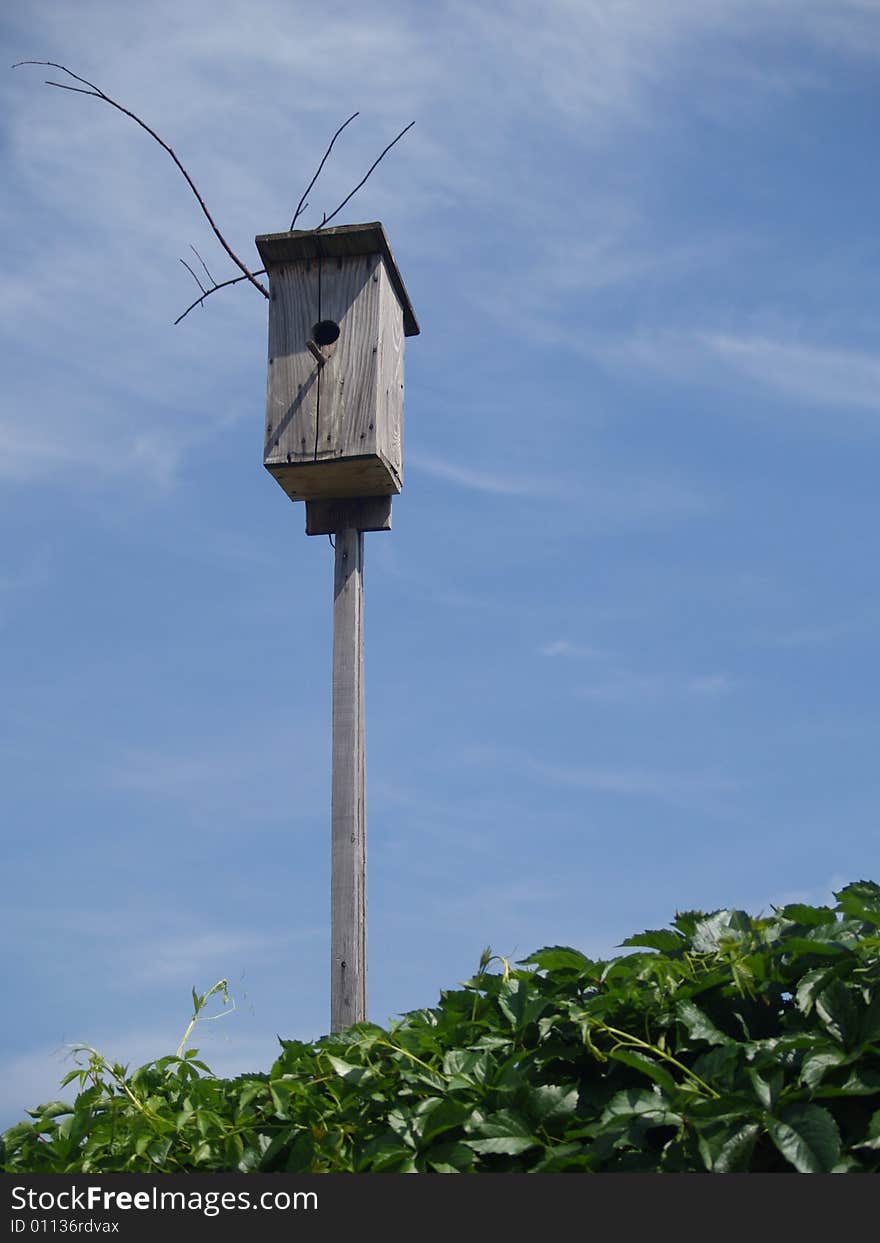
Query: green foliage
{"points": [[726, 1044]]}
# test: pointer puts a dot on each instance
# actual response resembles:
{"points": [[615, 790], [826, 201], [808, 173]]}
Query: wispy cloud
{"points": [[709, 791], [811, 373], [603, 496], [818, 377], [565, 647], [621, 686], [823, 634], [613, 684], [670, 787], [223, 776], [481, 481], [205, 952]]}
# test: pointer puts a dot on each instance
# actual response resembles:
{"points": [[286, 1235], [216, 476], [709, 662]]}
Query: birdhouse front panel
{"points": [[334, 411]]}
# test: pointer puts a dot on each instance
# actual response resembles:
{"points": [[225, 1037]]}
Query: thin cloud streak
{"points": [[634, 782], [614, 684], [480, 481], [815, 374], [707, 790]]}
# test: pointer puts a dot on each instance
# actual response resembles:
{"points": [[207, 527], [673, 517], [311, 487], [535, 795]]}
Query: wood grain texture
{"points": [[389, 395], [334, 427], [347, 384], [348, 910], [369, 476]]}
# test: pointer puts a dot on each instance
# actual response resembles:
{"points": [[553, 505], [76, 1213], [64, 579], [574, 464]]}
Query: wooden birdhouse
{"points": [[338, 315]]}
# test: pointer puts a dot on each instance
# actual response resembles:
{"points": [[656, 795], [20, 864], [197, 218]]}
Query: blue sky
{"points": [[621, 643]]}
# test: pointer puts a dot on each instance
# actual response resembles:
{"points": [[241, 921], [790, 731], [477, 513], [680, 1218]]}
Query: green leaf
{"points": [[836, 1007], [439, 1116], [646, 1066], [52, 1109], [451, 1158], [861, 900], [558, 958], [504, 1132], [250, 1091], [873, 1137], [766, 1089], [735, 1153], [869, 1022], [568, 1157], [520, 1003], [348, 1071], [281, 1091], [686, 922], [657, 939], [502, 1145], [807, 1136], [698, 1025], [823, 948], [638, 1103], [809, 987], [551, 1102], [816, 1065], [711, 933], [799, 913], [862, 1082], [466, 1067]]}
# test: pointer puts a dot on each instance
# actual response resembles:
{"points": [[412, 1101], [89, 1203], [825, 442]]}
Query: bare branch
{"points": [[222, 285], [202, 262], [302, 204], [193, 275], [327, 219], [99, 94]]}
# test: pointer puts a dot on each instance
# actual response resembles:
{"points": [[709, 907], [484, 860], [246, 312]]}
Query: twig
{"points": [[327, 219], [221, 285], [99, 94], [195, 278], [202, 262], [302, 204]]}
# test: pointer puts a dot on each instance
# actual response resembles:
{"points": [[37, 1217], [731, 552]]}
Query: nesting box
{"points": [[338, 316]]}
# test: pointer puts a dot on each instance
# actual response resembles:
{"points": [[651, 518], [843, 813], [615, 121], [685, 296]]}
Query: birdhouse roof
{"points": [[346, 240]]}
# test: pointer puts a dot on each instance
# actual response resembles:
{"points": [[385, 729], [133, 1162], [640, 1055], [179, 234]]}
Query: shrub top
{"points": [[723, 1043]]}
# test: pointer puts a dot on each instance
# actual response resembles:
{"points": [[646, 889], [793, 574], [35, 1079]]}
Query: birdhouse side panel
{"points": [[389, 404], [292, 394], [347, 386]]}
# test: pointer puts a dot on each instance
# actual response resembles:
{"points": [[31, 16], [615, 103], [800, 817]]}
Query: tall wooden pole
{"points": [[348, 904]]}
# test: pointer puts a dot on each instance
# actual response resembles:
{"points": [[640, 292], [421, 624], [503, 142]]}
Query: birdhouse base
{"points": [[361, 513], [332, 479]]}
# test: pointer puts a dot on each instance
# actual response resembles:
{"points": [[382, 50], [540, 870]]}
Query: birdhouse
{"points": [[338, 315]]}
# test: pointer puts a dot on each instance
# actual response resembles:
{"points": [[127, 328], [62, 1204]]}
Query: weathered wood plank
{"points": [[347, 383], [293, 375], [389, 395], [363, 513], [348, 957], [368, 476]]}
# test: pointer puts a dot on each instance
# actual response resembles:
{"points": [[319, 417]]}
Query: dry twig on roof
{"points": [[89, 88]]}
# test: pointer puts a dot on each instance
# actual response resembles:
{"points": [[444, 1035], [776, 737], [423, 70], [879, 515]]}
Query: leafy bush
{"points": [[724, 1043]]}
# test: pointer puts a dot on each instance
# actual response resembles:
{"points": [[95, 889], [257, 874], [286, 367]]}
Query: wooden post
{"points": [[348, 914]]}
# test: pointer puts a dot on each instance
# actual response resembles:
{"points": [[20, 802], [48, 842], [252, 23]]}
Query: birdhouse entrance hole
{"points": [[325, 332]]}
